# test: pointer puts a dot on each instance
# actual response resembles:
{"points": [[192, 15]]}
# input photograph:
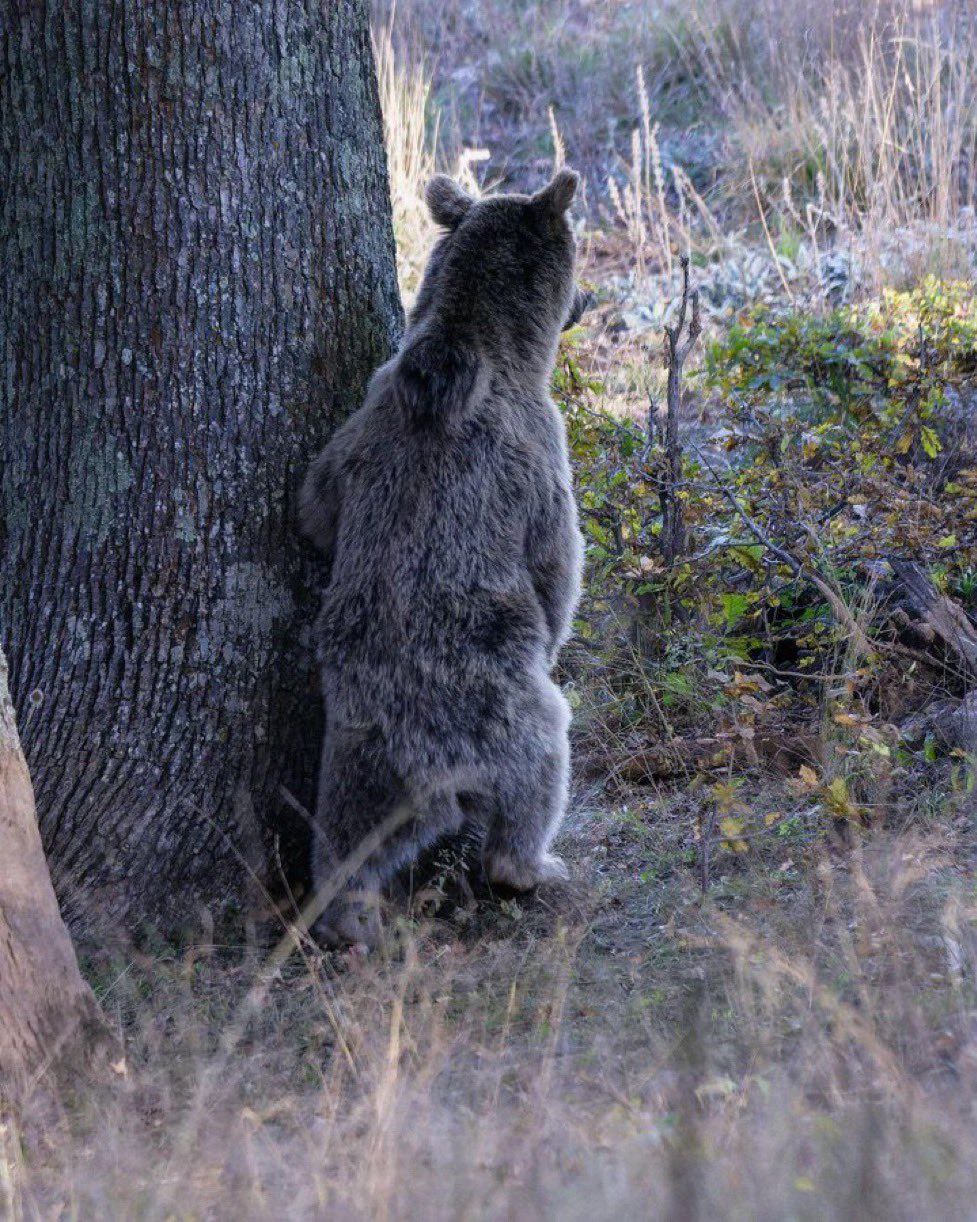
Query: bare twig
{"points": [[677, 350], [707, 828]]}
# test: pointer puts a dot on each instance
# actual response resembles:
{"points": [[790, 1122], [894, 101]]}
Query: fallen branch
{"points": [[932, 616]]}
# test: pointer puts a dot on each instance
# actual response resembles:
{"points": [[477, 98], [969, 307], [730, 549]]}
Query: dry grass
{"points": [[803, 1043], [415, 151], [851, 126], [411, 140], [855, 129], [880, 140]]}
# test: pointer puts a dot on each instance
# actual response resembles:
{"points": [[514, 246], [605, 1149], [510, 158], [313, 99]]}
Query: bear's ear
{"points": [[433, 380], [447, 202], [558, 194]]}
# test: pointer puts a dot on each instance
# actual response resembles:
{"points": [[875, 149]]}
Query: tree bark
{"points": [[49, 1020], [198, 279]]}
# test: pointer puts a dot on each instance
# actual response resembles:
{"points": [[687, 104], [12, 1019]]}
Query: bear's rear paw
{"points": [[349, 921], [506, 871], [554, 869]]}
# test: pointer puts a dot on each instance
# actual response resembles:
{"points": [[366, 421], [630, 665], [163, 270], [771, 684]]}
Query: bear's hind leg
{"points": [[367, 811], [358, 795], [530, 797]]}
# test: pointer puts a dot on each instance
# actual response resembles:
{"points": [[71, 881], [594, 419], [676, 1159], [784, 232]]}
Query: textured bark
{"points": [[198, 279], [49, 1020]]}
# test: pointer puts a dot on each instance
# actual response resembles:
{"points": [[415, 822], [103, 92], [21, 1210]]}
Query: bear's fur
{"points": [[445, 513]]}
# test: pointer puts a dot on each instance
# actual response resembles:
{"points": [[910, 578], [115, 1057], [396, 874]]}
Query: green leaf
{"points": [[930, 441], [735, 607]]}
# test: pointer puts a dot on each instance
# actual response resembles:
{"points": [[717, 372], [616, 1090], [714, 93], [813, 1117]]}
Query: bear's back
{"points": [[429, 579]]}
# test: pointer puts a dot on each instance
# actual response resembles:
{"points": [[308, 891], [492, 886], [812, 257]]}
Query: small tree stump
{"points": [[50, 1023]]}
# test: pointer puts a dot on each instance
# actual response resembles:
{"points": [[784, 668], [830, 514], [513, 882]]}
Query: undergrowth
{"points": [[830, 446]]}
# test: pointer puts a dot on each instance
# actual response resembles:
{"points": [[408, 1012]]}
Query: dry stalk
{"points": [[707, 829], [677, 350]]}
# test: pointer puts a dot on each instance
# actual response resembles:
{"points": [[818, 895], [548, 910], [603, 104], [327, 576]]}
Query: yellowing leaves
{"points": [[838, 800], [741, 685], [732, 830], [643, 567], [810, 446], [834, 795], [726, 795]]}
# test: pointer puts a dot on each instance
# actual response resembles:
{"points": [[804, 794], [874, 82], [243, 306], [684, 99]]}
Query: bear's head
{"points": [[498, 289]]}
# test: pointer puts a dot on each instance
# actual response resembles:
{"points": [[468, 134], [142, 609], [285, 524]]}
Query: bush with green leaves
{"points": [[838, 440]]}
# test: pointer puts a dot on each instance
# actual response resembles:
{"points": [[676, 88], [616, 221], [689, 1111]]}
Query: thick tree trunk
{"points": [[49, 1020], [198, 278]]}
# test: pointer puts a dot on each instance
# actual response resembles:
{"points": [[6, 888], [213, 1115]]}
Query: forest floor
{"points": [[799, 1041], [757, 998]]}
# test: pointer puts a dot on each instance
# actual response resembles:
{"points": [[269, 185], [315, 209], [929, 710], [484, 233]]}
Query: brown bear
{"points": [[445, 513]]}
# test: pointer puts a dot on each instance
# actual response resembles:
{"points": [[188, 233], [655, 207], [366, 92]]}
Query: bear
{"points": [[445, 515]]}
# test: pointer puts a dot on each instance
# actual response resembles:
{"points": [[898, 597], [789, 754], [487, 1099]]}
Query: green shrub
{"points": [[840, 440]]}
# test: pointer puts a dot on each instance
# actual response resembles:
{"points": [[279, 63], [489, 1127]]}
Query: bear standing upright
{"points": [[445, 513]]}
